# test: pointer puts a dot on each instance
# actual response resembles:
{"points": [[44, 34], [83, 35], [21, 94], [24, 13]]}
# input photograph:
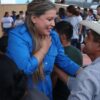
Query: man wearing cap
{"points": [[86, 85]]}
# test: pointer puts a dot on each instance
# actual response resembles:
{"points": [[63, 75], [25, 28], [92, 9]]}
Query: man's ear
{"points": [[33, 18], [98, 46]]}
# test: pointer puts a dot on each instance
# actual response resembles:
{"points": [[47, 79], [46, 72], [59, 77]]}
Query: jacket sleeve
{"points": [[84, 87], [63, 61], [19, 50]]}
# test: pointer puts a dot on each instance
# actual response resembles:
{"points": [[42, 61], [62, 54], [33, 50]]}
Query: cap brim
{"points": [[94, 25]]}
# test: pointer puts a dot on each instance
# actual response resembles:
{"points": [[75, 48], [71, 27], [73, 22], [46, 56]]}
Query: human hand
{"points": [[45, 43], [61, 74]]}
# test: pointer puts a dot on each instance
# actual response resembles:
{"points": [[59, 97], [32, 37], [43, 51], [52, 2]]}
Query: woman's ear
{"points": [[33, 18]]}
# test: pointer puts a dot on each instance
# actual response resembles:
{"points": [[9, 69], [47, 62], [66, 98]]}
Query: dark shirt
{"points": [[74, 54]]}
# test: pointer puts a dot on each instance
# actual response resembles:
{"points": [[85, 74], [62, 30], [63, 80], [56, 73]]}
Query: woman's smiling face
{"points": [[45, 22]]}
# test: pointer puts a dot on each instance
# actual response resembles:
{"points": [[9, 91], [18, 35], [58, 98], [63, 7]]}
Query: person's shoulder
{"points": [[74, 49], [10, 17], [79, 17], [54, 34], [19, 28], [94, 66], [20, 31], [7, 64], [89, 72], [75, 54], [4, 58]]}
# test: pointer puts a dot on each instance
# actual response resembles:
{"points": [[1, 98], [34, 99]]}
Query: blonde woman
{"points": [[35, 47]]}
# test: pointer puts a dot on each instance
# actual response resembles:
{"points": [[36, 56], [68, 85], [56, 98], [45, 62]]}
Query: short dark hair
{"points": [[71, 9], [21, 12], [61, 12], [64, 27], [12, 80]]}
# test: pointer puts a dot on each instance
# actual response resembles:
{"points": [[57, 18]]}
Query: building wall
{"points": [[17, 8], [10, 8], [8, 1]]}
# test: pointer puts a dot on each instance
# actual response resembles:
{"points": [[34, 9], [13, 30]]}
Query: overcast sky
{"points": [[13, 1]]}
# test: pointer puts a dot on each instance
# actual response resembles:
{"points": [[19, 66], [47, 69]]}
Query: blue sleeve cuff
{"points": [[67, 65], [33, 65]]}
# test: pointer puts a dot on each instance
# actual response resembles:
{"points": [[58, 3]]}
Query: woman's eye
{"points": [[49, 19]]}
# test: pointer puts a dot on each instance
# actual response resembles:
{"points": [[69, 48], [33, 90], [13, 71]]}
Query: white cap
{"points": [[94, 25]]}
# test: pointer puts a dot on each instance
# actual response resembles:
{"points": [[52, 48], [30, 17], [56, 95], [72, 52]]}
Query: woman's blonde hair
{"points": [[37, 8]]}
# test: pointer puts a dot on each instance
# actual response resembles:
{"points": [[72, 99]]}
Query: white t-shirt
{"points": [[7, 22], [75, 20], [18, 22]]}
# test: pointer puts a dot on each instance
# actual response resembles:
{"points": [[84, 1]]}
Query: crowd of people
{"points": [[42, 58], [10, 21]]}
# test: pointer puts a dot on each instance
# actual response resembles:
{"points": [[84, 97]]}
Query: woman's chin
{"points": [[47, 33]]}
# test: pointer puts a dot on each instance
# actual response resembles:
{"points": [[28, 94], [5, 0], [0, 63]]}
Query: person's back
{"points": [[18, 21], [65, 31], [12, 82], [74, 53], [6, 23], [74, 18]]}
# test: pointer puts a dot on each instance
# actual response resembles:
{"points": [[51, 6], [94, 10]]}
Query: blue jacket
{"points": [[20, 47]]}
